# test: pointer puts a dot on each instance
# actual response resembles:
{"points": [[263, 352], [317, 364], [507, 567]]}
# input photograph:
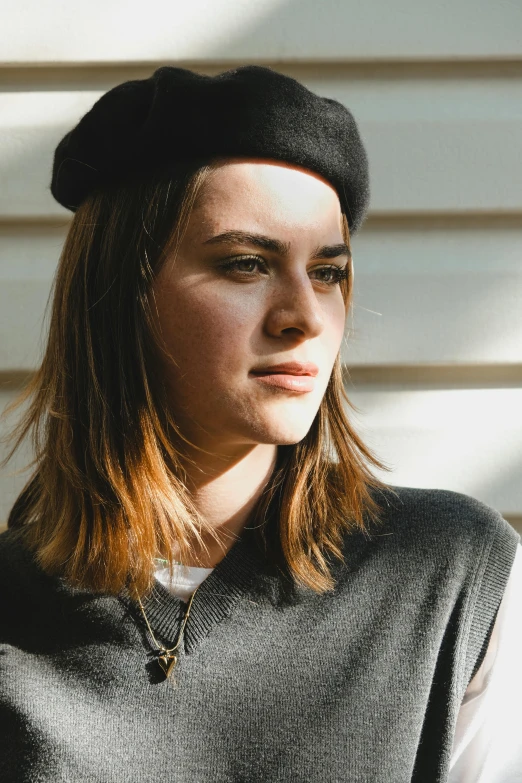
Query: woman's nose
{"points": [[295, 306]]}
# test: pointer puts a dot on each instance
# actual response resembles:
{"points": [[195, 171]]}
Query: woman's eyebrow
{"points": [[274, 245]]}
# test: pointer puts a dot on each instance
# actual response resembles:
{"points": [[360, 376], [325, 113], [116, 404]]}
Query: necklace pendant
{"points": [[167, 663]]}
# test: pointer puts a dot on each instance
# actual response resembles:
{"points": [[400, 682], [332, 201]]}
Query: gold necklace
{"points": [[166, 659]]}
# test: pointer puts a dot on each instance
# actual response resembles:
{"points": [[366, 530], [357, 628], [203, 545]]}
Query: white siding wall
{"points": [[434, 344]]}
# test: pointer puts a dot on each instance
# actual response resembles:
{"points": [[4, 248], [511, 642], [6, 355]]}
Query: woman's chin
{"points": [[283, 433]]}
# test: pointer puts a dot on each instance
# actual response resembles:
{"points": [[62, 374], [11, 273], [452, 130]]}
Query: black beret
{"points": [[177, 116]]}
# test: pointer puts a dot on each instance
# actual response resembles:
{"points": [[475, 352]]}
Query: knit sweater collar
{"points": [[213, 600]]}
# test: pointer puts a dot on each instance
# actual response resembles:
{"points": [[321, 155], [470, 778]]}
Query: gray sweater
{"points": [[274, 682]]}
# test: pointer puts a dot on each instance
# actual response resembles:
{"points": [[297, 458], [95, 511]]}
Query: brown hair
{"points": [[107, 493]]}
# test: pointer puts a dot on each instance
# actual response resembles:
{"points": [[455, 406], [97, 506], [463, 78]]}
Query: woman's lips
{"points": [[295, 383]]}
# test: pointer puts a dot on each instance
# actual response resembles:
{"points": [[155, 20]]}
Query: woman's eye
{"points": [[338, 273], [235, 263], [331, 274]]}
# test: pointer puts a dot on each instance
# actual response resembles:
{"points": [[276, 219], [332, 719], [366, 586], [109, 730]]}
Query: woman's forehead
{"points": [[268, 190], [268, 172]]}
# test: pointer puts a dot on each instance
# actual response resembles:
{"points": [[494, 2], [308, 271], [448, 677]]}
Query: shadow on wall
{"points": [[269, 30]]}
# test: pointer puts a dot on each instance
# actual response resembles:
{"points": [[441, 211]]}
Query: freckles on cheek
{"points": [[224, 315], [201, 320]]}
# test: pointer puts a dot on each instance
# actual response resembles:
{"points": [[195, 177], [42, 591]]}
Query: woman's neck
{"points": [[226, 497]]}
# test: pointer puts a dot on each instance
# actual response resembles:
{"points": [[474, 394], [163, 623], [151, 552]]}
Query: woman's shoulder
{"points": [[441, 514], [13, 553], [437, 508], [21, 579], [450, 542]]}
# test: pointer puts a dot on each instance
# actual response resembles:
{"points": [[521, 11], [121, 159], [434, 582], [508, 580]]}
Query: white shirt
{"points": [[488, 739]]}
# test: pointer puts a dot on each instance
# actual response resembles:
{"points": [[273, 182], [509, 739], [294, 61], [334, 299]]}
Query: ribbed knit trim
{"points": [[213, 601], [496, 573]]}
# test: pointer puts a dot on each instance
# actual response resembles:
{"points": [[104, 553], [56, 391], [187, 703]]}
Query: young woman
{"points": [[203, 580]]}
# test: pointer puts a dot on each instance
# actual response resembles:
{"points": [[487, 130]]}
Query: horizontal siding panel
{"points": [[22, 305], [435, 145], [436, 318], [436, 294], [30, 251], [231, 30], [466, 440], [423, 294]]}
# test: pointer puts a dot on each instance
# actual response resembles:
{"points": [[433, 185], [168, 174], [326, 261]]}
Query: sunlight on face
{"points": [[230, 305]]}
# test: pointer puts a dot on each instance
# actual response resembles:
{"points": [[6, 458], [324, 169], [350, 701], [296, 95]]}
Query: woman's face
{"points": [[279, 303]]}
